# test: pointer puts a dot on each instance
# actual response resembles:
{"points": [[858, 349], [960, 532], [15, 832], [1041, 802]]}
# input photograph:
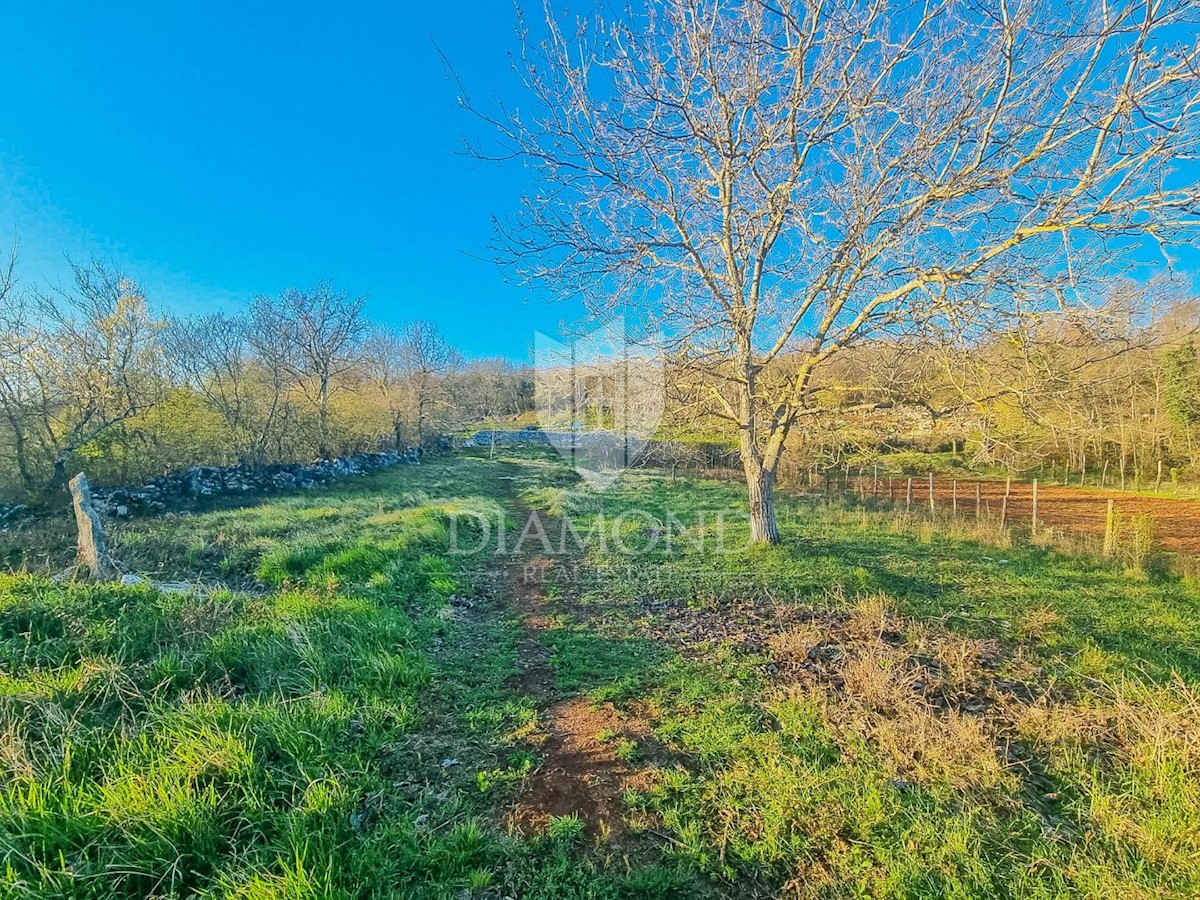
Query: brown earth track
{"points": [[578, 774], [1080, 510]]}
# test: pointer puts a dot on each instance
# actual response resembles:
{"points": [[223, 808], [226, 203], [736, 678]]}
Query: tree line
{"points": [[1118, 406], [1111, 396], [94, 376]]}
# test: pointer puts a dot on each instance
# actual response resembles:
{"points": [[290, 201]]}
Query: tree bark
{"points": [[20, 454], [59, 476], [323, 412], [760, 485]]}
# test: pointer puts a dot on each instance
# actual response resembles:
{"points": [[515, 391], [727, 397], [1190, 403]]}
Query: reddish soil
{"points": [[579, 774], [1081, 510]]}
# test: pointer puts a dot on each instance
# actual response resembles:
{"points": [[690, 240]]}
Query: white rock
{"points": [[174, 587]]}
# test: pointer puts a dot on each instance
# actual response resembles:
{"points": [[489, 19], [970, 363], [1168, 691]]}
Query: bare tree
{"points": [[17, 395], [425, 360], [211, 355], [488, 389], [94, 361], [315, 336], [383, 352], [779, 181]]}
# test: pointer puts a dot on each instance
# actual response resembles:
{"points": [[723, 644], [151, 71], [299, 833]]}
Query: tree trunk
{"points": [[323, 413], [760, 483], [58, 478], [20, 453]]}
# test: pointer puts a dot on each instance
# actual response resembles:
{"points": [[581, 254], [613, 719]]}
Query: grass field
{"points": [[876, 708]]}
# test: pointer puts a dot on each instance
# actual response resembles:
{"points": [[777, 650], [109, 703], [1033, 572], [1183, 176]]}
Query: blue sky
{"points": [[219, 150]]}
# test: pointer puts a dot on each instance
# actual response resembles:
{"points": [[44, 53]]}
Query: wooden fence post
{"points": [[954, 496], [1034, 523], [908, 494], [1003, 509], [931, 509], [875, 485], [978, 497], [1110, 530]]}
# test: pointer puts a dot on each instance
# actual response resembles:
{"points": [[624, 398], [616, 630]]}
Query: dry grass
{"points": [[794, 643], [945, 709]]}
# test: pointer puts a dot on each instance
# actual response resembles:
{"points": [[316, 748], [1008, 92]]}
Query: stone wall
{"points": [[209, 481], [503, 437]]}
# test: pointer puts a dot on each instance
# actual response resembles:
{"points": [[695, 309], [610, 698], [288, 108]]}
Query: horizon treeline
{"points": [[94, 377], [1107, 395]]}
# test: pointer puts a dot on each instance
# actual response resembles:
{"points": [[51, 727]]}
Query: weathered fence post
{"points": [[1034, 522], [91, 556], [1003, 509], [1110, 529], [908, 494], [954, 496], [978, 496], [875, 486], [931, 509]]}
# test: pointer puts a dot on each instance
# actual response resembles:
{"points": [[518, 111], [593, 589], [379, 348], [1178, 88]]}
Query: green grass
{"points": [[329, 717], [805, 790]]}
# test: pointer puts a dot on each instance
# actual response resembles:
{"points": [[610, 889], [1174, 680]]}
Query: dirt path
{"points": [[581, 772]]}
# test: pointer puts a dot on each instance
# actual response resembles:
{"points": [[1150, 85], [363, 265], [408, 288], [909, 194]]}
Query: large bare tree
{"points": [[779, 180]]}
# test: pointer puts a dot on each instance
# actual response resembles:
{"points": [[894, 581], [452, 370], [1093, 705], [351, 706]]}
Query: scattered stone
{"points": [[12, 514], [449, 763], [175, 587], [132, 579]]}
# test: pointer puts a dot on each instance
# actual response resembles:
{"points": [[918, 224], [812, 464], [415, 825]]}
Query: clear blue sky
{"points": [[219, 150]]}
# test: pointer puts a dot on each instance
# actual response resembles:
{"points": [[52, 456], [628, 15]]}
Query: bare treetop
{"points": [[793, 178]]}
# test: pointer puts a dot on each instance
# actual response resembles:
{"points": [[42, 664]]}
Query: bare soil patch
{"points": [[581, 772]]}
